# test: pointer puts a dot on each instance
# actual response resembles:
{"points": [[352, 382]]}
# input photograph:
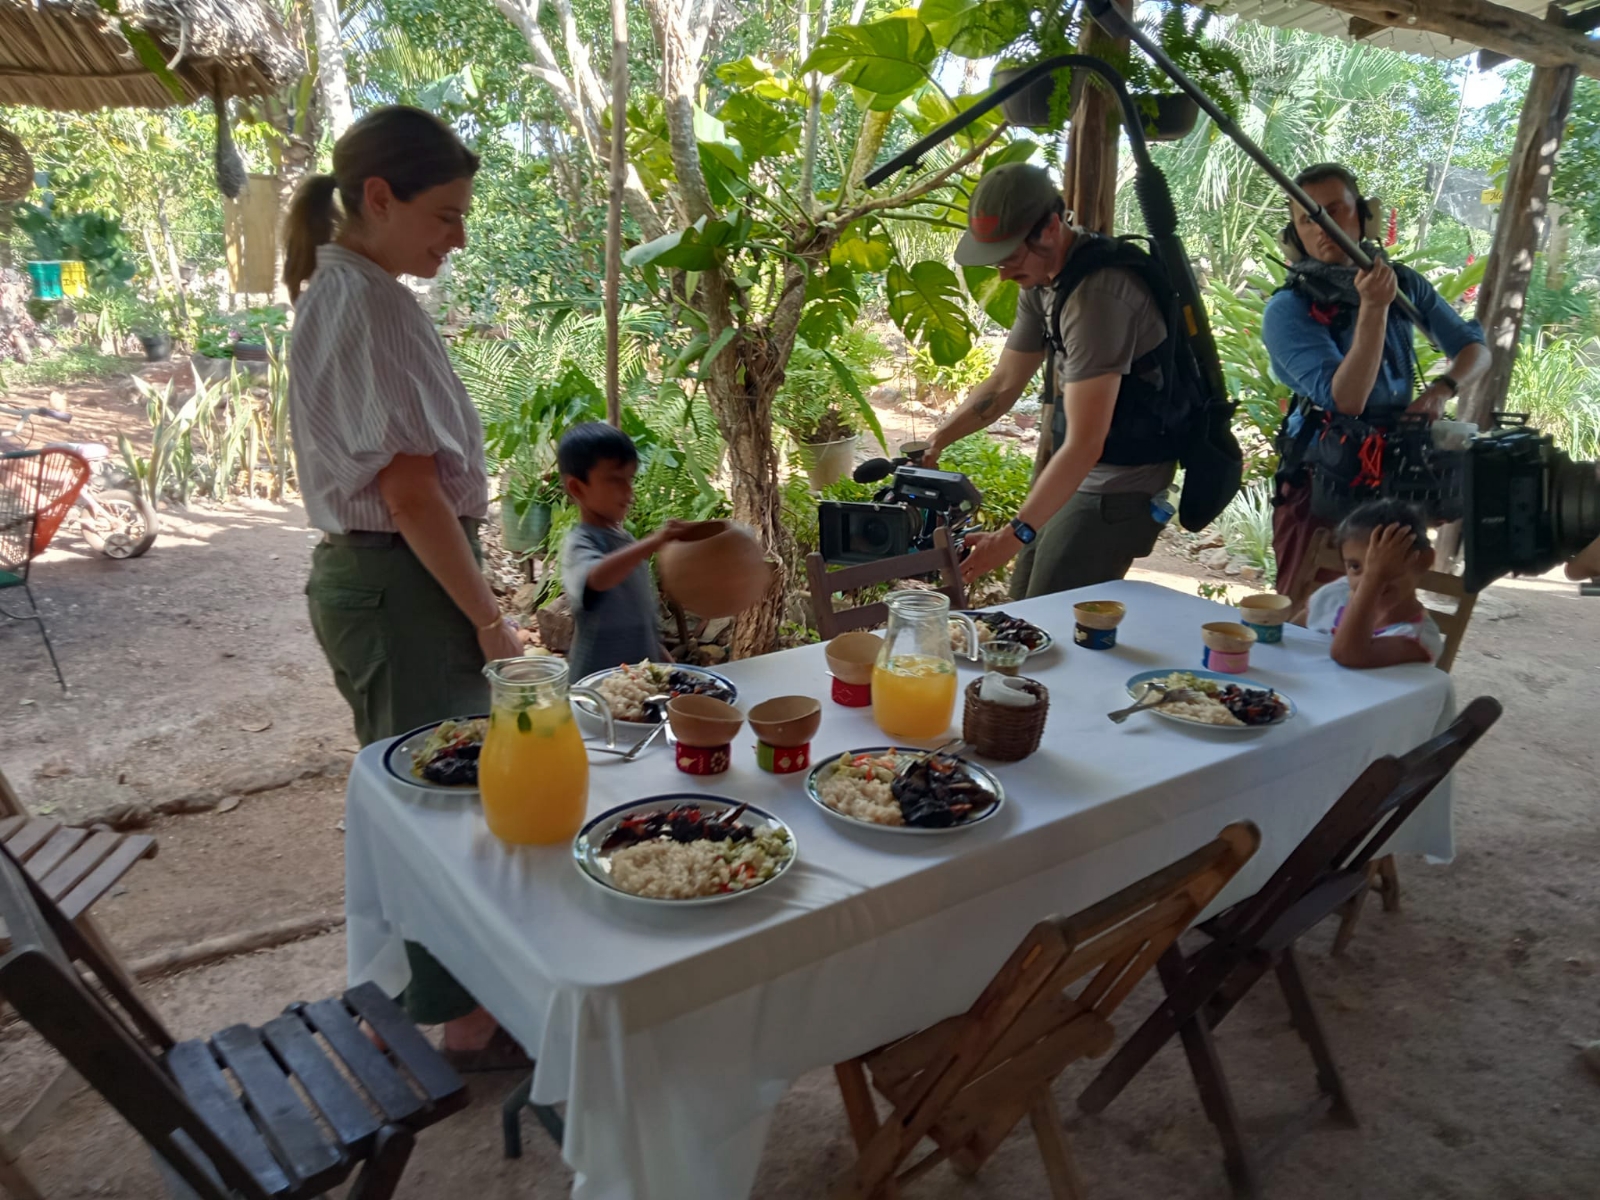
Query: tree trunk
{"points": [[619, 174], [332, 81]]}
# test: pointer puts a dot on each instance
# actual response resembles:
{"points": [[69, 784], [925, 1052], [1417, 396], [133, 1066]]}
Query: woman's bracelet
{"points": [[499, 619]]}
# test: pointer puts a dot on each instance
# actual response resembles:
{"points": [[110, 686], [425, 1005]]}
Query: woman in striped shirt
{"points": [[389, 452]]}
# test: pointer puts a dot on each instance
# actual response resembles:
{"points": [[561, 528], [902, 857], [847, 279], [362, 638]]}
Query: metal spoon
{"points": [[1163, 696]]}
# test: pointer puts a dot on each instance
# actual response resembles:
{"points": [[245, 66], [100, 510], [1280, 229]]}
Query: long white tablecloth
{"points": [[672, 1035]]}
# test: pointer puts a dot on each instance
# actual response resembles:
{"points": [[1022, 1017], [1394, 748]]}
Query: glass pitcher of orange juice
{"points": [[533, 772], [914, 681]]}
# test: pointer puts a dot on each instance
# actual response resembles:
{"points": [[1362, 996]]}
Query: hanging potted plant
{"points": [[821, 386]]}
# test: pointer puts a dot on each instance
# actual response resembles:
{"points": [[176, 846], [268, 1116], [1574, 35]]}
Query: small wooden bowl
{"points": [[1227, 637], [703, 720], [1099, 614], [851, 656], [1265, 608], [786, 720]]}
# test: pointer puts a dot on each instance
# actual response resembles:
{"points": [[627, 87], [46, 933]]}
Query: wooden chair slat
{"points": [[79, 863], [395, 1097], [350, 1117], [437, 1077], [30, 837], [105, 876], [280, 1114], [55, 851], [9, 825], [202, 1082]]}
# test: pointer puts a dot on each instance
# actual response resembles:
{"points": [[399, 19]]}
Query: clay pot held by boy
{"points": [[719, 570]]}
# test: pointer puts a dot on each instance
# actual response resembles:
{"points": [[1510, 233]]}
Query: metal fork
{"points": [[1163, 696]]}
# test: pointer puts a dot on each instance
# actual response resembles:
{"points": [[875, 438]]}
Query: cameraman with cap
{"points": [[1334, 335], [1085, 519]]}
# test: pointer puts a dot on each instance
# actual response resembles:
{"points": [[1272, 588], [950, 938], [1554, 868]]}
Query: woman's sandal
{"points": [[499, 1053]]}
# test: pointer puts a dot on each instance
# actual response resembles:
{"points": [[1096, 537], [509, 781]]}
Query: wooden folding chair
{"points": [[1323, 555], [248, 1114], [1322, 874], [75, 868], [825, 584], [966, 1082]]}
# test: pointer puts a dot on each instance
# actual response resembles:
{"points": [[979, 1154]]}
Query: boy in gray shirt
{"points": [[604, 569]]}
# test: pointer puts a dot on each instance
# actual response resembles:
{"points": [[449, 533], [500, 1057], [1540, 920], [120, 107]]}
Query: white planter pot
{"points": [[828, 462]]}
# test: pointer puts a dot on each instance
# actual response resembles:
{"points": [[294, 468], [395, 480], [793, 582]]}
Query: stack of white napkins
{"points": [[1006, 689]]}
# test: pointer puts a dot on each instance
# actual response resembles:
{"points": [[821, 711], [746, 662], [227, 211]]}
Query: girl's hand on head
{"points": [[1389, 552]]}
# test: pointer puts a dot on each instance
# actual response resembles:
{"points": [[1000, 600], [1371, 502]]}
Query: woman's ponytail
{"points": [[311, 220]]}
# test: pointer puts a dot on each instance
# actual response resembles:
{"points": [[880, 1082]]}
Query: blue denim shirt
{"points": [[1305, 353]]}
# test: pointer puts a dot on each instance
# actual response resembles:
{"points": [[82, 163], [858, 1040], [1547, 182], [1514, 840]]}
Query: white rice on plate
{"points": [[862, 792], [628, 687], [663, 869], [1204, 708]]}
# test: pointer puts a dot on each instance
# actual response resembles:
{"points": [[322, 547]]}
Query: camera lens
{"points": [[1574, 504], [874, 535]]}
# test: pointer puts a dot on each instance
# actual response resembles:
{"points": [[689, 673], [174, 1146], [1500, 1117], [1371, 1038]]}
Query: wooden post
{"points": [[1523, 212], [619, 168]]}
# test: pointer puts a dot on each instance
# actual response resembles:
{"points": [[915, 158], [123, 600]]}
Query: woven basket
{"points": [[999, 731]]}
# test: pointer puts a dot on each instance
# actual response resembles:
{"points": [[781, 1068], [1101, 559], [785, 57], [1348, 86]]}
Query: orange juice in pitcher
{"points": [[533, 772], [914, 680]]}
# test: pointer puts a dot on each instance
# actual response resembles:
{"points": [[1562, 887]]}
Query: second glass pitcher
{"points": [[914, 681]]}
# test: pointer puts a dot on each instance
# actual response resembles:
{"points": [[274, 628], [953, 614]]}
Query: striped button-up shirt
{"points": [[369, 378]]}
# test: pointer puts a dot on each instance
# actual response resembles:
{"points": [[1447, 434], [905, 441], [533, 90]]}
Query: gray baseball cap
{"points": [[1007, 203]]}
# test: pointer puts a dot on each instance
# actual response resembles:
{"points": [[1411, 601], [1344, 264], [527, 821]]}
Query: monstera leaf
{"points": [[890, 57], [997, 296], [925, 302], [974, 28]]}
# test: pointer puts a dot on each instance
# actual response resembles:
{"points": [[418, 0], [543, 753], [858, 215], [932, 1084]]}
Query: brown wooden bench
{"points": [[287, 1110]]}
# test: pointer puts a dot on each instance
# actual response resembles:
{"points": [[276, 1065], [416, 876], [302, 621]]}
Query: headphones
{"points": [[1368, 210]]}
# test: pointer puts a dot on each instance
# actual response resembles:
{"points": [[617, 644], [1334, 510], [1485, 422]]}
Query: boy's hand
{"points": [[1389, 550], [675, 531]]}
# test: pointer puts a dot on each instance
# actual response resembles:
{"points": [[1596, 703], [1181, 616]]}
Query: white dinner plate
{"points": [[1136, 689], [397, 759], [985, 780], [629, 732], [594, 863]]}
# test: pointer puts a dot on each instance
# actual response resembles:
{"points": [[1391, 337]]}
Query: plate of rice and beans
{"points": [[628, 688], [904, 791], [1221, 701], [683, 849], [1000, 626]]}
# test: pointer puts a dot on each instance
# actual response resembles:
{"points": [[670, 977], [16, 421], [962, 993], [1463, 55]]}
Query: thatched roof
{"points": [[71, 54]]}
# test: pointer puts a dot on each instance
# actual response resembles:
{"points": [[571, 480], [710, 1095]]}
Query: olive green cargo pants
{"points": [[1093, 539], [402, 655]]}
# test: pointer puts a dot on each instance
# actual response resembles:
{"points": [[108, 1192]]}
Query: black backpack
{"points": [[1183, 419]]}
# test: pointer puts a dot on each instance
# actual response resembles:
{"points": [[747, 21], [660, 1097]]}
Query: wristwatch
{"points": [[1025, 532], [1455, 388]]}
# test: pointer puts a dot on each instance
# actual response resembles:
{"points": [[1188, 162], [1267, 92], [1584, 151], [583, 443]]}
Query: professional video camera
{"points": [[1529, 507], [902, 517], [1523, 504]]}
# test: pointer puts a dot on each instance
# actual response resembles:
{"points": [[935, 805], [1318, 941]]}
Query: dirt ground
{"points": [[194, 676]]}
